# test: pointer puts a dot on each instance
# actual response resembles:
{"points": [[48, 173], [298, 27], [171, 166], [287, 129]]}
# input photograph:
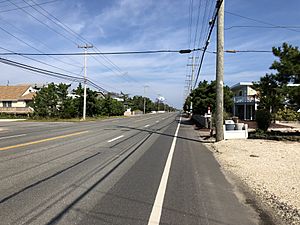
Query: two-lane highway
{"points": [[140, 170]]}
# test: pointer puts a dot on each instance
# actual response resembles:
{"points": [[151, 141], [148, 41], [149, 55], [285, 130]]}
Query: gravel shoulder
{"points": [[270, 169]]}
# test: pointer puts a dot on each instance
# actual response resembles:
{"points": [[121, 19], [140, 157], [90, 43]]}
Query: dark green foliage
{"points": [[270, 94], [293, 96], [273, 90], [46, 102], [275, 135], [204, 96], [137, 103], [187, 104], [288, 66], [263, 119], [53, 102], [111, 107]]}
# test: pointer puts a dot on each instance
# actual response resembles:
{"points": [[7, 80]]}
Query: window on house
{"points": [[241, 93], [7, 104]]}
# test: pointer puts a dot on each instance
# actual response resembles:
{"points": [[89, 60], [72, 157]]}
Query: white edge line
{"points": [[159, 199], [114, 139], [7, 137]]}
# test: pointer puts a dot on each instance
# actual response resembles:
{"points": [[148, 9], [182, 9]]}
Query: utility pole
{"points": [[192, 78], [220, 73], [86, 46], [145, 98]]}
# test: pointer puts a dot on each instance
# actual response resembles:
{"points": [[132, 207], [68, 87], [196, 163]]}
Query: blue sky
{"points": [[132, 25]]}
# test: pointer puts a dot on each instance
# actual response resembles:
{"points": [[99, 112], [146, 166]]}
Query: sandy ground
{"points": [[271, 169]]}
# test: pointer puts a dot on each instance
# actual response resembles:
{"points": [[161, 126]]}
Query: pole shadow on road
{"points": [[154, 131]]}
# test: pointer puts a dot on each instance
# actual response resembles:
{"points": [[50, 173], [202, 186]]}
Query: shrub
{"points": [[287, 115], [263, 119]]}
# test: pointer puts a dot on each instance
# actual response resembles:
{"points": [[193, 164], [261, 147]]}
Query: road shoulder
{"points": [[267, 175], [197, 191]]}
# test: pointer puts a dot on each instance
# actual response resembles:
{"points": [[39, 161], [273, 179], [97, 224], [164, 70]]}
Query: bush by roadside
{"points": [[275, 135]]}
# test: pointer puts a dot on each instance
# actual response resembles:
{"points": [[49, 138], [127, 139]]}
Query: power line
{"points": [[197, 23], [183, 51], [264, 27], [14, 53], [242, 51], [39, 70], [191, 4], [248, 51], [29, 45], [50, 73], [9, 10], [204, 23], [62, 35], [60, 24], [79, 37], [218, 4], [258, 21]]}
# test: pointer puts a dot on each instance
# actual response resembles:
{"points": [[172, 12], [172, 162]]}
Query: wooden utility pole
{"points": [[220, 73]]}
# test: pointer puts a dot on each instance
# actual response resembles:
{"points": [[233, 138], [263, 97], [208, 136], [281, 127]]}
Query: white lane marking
{"points": [[156, 121], [159, 199], [147, 125], [13, 136], [114, 139]]}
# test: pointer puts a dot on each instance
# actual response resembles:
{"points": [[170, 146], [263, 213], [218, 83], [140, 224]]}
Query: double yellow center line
{"points": [[41, 141]]}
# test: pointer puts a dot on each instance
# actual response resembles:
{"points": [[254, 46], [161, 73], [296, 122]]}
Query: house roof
{"points": [[14, 93], [240, 84]]}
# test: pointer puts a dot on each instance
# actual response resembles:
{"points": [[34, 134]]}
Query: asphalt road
{"points": [[141, 170]]}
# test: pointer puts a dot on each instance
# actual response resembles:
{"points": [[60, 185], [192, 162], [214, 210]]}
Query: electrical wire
{"points": [[197, 23], [51, 73], [218, 5], [9, 10], [62, 35], [106, 53], [39, 70], [267, 27], [258, 21], [41, 62], [31, 46], [191, 4], [78, 37]]}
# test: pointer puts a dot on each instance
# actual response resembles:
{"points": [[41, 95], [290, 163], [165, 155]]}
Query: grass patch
{"points": [[88, 119]]}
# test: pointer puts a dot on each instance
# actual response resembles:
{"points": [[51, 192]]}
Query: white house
{"points": [[245, 100]]}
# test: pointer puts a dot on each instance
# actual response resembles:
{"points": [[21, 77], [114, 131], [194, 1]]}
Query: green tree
{"points": [[93, 105], [137, 103], [204, 96], [53, 101], [111, 107], [45, 103], [288, 66], [269, 93], [288, 71], [66, 105], [274, 91]]}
